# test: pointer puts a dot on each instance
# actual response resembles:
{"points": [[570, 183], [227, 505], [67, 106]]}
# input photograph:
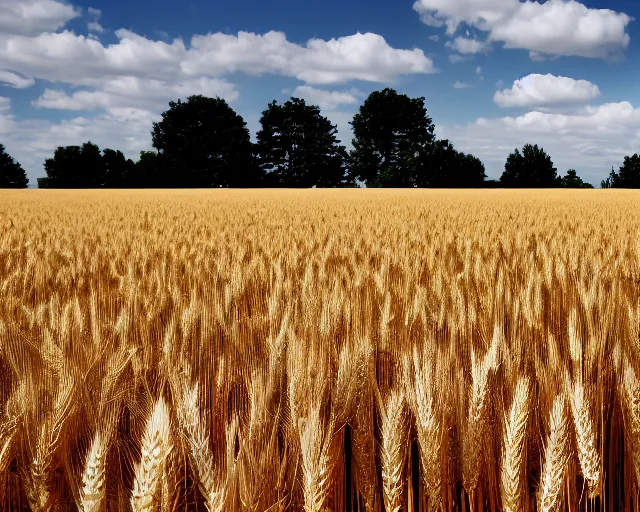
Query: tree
{"points": [[392, 138], [628, 175], [572, 180], [76, 167], [150, 171], [12, 174], [119, 172], [445, 167], [532, 168], [204, 143], [297, 147]]}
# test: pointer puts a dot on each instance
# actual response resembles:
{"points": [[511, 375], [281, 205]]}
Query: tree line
{"points": [[202, 142]]}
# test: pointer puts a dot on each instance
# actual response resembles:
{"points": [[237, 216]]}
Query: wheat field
{"points": [[320, 350]]}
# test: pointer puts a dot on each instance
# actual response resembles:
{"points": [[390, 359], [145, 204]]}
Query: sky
{"points": [[495, 74]]}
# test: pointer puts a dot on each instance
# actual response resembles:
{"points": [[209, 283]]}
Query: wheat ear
{"points": [[198, 448], [631, 407], [393, 449], [419, 379], [156, 445], [556, 457], [585, 437], [317, 458], [93, 477], [474, 435], [513, 451]]}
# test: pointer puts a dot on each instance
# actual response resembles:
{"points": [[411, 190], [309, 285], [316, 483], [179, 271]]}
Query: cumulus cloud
{"points": [[468, 46], [590, 140], [13, 80], [30, 17], [78, 60], [554, 27], [327, 99], [435, 38], [461, 85], [546, 90], [5, 103], [135, 92], [366, 57]]}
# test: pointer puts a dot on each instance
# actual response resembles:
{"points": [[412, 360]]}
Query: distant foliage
{"points": [[445, 167], [87, 167], [12, 174], [203, 142], [572, 180], [531, 168], [298, 147], [393, 136], [627, 176]]}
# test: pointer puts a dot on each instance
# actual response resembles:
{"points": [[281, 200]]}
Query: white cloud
{"points": [[134, 92], [590, 140], [5, 103], [554, 27], [94, 26], [544, 90], [435, 38], [499, 83], [468, 46], [461, 85], [77, 60], [16, 81], [327, 99], [366, 57], [95, 13], [29, 17]]}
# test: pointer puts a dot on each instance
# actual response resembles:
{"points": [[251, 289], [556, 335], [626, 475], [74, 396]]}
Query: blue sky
{"points": [[496, 74]]}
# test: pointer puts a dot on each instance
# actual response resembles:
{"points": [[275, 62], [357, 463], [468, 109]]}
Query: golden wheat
{"points": [[342, 350]]}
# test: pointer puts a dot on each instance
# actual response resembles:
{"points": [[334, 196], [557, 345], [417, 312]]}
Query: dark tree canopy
{"points": [[628, 175], [532, 168], [392, 137], [87, 167], [445, 167], [119, 171], [12, 174], [297, 147], [203, 142], [75, 167], [572, 180]]}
